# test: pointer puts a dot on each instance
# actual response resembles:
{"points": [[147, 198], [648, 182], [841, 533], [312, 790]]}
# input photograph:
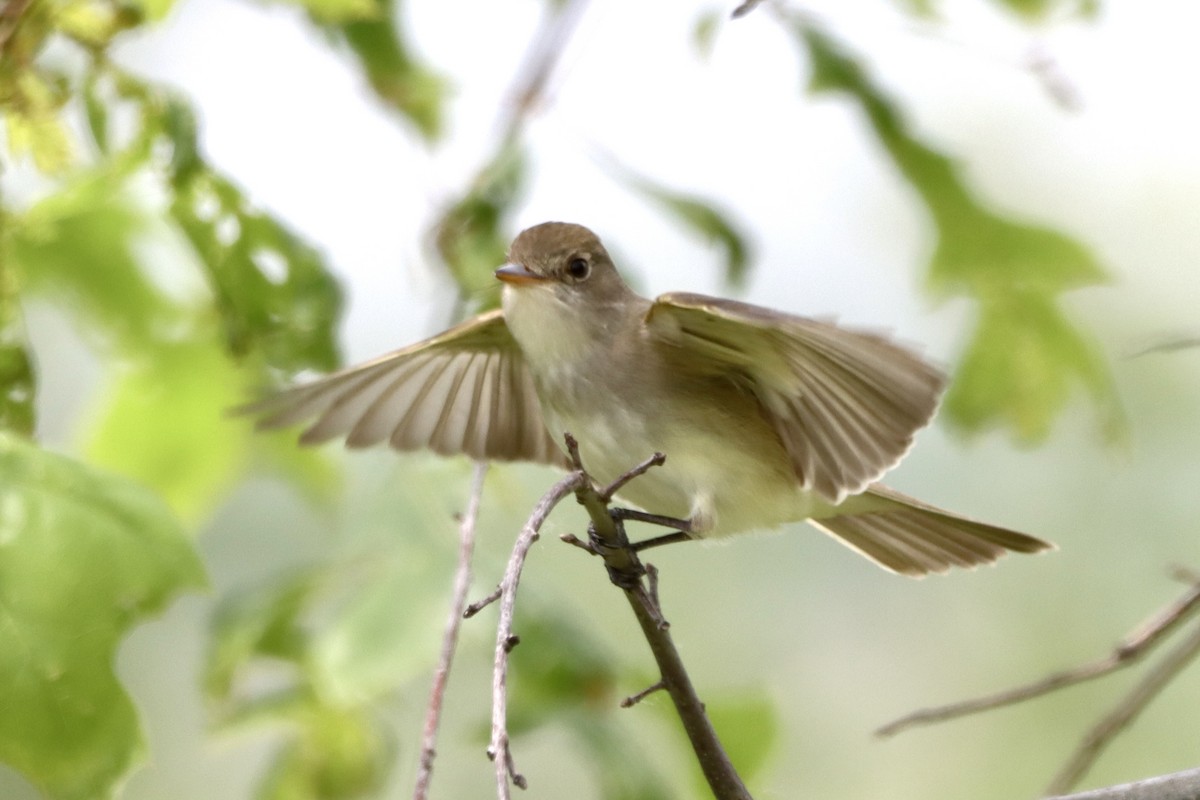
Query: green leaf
{"points": [[93, 24], [397, 77], [920, 8], [18, 381], [262, 622], [701, 218], [33, 125], [748, 726], [334, 754], [335, 747], [272, 290], [472, 235], [561, 676], [557, 667], [340, 11], [704, 32], [1019, 367], [1026, 353], [83, 556], [1035, 10], [624, 770], [78, 247], [96, 109], [164, 424], [366, 649]]}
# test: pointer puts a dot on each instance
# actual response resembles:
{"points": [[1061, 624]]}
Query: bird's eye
{"points": [[579, 268]]}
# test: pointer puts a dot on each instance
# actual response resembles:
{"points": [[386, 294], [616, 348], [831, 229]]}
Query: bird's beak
{"points": [[517, 275]]}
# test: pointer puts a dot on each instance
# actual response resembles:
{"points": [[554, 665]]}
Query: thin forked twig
{"points": [[634, 699], [607, 493], [498, 748], [1137, 644], [1125, 713], [462, 583], [640, 585]]}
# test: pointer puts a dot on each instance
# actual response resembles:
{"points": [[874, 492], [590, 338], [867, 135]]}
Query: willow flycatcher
{"points": [[764, 417]]}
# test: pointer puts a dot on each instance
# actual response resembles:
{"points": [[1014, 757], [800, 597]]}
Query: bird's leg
{"points": [[682, 527], [657, 541]]}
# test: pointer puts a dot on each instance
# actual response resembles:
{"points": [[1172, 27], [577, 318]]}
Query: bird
{"points": [[765, 418]]}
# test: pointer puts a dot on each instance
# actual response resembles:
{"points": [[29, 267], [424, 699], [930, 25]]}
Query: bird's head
{"points": [[563, 298], [565, 260]]}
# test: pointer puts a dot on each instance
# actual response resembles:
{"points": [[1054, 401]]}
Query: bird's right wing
{"points": [[845, 404], [467, 390]]}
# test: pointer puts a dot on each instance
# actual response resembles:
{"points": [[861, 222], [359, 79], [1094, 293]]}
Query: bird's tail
{"points": [[904, 535]]}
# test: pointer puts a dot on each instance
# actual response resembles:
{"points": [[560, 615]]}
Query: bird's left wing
{"points": [[845, 404], [467, 390]]}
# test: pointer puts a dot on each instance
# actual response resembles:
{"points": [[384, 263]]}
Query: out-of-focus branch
{"points": [[1176, 786], [498, 749], [10, 18], [1117, 720], [1137, 644], [1140, 642], [538, 66], [462, 583]]}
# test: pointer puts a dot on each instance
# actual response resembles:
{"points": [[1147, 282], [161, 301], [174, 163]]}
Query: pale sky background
{"points": [[837, 232]]}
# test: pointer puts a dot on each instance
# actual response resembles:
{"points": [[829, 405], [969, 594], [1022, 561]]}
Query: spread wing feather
{"points": [[845, 404], [466, 391]]}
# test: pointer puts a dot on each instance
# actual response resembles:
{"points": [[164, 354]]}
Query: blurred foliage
{"points": [[700, 217], [399, 79], [749, 726], [230, 298], [561, 677], [18, 380], [85, 556], [1033, 10], [1025, 353], [471, 236], [334, 748]]}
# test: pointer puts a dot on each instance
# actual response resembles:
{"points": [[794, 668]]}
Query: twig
{"points": [[1176, 786], [626, 571], [1136, 645], [540, 60], [462, 582], [745, 8], [482, 603], [498, 749], [634, 699], [606, 494], [10, 20], [1125, 713]]}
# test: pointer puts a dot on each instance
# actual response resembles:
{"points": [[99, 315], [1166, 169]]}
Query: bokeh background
{"points": [[798, 646]]}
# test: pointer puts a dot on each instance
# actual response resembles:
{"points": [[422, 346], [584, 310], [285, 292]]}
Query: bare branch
{"points": [[1177, 786], [634, 699], [1125, 713], [482, 603], [626, 571], [540, 61], [745, 8], [498, 749], [656, 460], [1137, 644], [462, 582]]}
